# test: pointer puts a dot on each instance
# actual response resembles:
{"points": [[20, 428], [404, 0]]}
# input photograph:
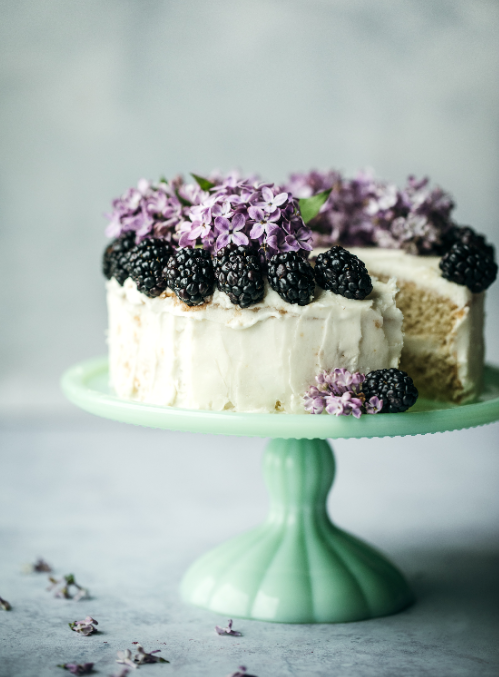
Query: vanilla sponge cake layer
{"points": [[443, 324], [259, 359]]}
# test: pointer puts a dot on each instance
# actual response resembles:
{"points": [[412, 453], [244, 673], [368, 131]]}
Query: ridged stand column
{"points": [[297, 567]]}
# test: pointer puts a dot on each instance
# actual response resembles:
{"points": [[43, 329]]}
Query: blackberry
{"points": [[147, 265], [343, 273], [466, 235], [115, 258], [238, 274], [190, 275], [469, 265], [292, 278], [393, 386]]}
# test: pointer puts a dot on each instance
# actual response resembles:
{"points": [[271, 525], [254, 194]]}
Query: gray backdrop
{"points": [[96, 94]]}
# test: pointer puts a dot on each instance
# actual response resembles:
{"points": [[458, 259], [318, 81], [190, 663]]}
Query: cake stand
{"points": [[297, 567]]}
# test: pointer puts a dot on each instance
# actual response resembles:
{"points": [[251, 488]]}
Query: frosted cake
{"points": [[213, 303]]}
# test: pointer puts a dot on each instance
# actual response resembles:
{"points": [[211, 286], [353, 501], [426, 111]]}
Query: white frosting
{"points": [[260, 359], [422, 270]]}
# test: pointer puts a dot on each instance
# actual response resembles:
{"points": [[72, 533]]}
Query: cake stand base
{"points": [[297, 567]]}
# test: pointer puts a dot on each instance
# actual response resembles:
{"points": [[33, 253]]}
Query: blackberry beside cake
{"points": [[214, 305]]}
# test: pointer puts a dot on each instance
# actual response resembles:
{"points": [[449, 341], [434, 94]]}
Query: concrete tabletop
{"points": [[126, 510]]}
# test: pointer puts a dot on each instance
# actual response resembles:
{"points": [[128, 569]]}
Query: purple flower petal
{"points": [[240, 238]]}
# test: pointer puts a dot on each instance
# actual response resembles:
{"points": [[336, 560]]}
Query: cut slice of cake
{"points": [[443, 324]]}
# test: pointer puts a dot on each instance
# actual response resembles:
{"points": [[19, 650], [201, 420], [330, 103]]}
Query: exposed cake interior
{"points": [[443, 325]]}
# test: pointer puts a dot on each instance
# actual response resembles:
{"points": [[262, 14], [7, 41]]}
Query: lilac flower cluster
{"points": [[150, 210], [241, 211], [339, 393], [232, 209], [366, 212]]}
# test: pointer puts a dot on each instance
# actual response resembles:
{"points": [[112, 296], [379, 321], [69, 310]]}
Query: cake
{"points": [[213, 304]]}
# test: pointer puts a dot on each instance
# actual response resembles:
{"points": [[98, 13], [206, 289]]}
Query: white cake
{"points": [[261, 359], [443, 324]]}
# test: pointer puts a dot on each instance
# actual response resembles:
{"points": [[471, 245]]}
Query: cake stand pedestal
{"points": [[297, 567]]}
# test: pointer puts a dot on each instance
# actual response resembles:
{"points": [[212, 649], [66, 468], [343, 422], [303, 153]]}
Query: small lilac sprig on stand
{"points": [[228, 630], [78, 668], [4, 604], [85, 627], [64, 588], [339, 393]]}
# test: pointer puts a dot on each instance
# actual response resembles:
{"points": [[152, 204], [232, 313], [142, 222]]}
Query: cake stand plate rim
{"points": [[85, 384]]}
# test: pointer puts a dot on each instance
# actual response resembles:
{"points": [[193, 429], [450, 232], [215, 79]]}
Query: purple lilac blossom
{"points": [[228, 630], [235, 209], [245, 212], [151, 209], [366, 212], [339, 393]]}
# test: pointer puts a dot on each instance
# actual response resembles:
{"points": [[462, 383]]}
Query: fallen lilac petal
{"points": [[78, 668], [143, 657], [240, 672], [41, 566], [125, 658], [228, 630], [84, 627]]}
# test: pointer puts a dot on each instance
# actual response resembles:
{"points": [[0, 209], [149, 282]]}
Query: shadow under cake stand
{"points": [[297, 567]]}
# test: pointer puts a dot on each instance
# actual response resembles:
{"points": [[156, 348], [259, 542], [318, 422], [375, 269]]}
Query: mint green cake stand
{"points": [[297, 567]]}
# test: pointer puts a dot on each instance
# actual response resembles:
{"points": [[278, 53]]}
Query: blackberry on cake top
{"points": [[238, 274], [292, 278], [115, 257], [190, 275], [146, 265], [469, 265], [343, 273], [393, 386], [467, 235]]}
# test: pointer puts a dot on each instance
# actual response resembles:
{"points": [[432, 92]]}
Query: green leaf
{"points": [[311, 206], [204, 184], [182, 200], [163, 179]]}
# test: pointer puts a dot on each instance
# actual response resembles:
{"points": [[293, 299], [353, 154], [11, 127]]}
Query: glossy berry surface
{"points": [[238, 274], [343, 273], [115, 257], [470, 266], [467, 235], [292, 278], [190, 275], [147, 265], [393, 386]]}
